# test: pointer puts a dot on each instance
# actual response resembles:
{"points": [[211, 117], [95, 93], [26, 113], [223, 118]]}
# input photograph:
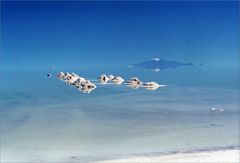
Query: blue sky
{"points": [[108, 34]]}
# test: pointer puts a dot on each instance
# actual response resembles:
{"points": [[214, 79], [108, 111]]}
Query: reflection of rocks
{"points": [[134, 82], [87, 90], [103, 78], [151, 85], [72, 78], [111, 77], [117, 80], [114, 79], [60, 75], [87, 87], [80, 83], [63, 76], [133, 86], [216, 110], [67, 77]]}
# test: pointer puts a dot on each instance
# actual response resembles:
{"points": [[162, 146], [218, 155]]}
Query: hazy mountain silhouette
{"points": [[158, 64]]}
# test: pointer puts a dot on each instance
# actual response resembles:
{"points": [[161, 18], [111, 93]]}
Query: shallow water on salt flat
{"points": [[46, 120]]}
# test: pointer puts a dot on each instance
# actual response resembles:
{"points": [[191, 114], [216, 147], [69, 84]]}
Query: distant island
{"points": [[158, 64]]}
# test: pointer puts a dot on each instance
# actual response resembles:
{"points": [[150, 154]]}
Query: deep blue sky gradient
{"points": [[107, 34]]}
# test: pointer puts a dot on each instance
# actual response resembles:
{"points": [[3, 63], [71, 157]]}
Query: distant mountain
{"points": [[158, 64]]}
